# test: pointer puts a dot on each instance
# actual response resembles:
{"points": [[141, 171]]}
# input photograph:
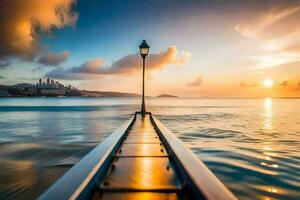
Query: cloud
{"points": [[53, 59], [4, 64], [93, 66], [293, 47], [128, 65], [284, 83], [252, 84], [275, 33], [259, 26], [195, 83], [67, 74], [22, 21]]}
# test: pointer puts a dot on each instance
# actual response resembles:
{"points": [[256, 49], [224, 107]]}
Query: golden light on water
{"points": [[267, 125], [268, 157], [272, 190], [270, 154], [268, 114]]}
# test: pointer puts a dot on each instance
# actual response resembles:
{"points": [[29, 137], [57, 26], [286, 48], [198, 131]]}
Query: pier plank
{"points": [[138, 149], [136, 195], [141, 173], [141, 168]]}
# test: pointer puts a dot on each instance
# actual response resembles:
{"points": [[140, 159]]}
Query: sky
{"points": [[246, 48]]}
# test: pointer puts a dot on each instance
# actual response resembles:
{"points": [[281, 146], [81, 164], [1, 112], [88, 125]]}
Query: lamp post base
{"points": [[143, 109]]}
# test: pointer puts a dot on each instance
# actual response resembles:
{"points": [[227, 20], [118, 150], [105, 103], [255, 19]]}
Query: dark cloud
{"points": [[195, 83], [67, 74], [4, 64], [284, 83], [127, 65], [21, 21], [53, 59]]}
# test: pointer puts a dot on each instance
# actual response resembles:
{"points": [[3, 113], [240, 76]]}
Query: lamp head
{"points": [[144, 49]]}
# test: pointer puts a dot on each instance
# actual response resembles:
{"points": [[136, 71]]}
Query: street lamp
{"points": [[144, 50]]}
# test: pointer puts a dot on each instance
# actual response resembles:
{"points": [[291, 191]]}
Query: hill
{"points": [[166, 95]]}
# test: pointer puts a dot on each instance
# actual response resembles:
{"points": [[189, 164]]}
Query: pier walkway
{"points": [[141, 168], [140, 160]]}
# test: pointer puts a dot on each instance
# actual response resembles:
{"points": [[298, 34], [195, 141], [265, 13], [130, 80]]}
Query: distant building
{"points": [[52, 88], [23, 86], [31, 91], [48, 88], [60, 86]]}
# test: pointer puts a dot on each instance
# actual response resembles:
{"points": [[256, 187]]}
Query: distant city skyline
{"points": [[198, 48]]}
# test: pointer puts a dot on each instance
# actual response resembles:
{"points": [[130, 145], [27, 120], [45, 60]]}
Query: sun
{"points": [[268, 83]]}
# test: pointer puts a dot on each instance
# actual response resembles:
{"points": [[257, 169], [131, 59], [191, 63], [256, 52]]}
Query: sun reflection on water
{"points": [[272, 191], [268, 161], [268, 157], [268, 114], [268, 152]]}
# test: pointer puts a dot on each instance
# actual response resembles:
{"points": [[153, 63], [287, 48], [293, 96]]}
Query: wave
{"points": [[235, 167], [196, 117]]}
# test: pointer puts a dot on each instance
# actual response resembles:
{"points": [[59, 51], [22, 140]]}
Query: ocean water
{"points": [[252, 145]]}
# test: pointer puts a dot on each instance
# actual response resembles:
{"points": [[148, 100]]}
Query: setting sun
{"points": [[268, 83]]}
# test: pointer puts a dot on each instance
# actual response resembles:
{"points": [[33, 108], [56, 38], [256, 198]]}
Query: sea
{"points": [[251, 144]]}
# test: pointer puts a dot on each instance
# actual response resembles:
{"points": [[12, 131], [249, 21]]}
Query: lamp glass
{"points": [[144, 51], [144, 48]]}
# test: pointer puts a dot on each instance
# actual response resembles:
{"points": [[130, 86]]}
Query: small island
{"points": [[166, 95]]}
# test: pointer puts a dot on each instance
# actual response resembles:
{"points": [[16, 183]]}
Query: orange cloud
{"points": [[196, 82], [53, 59], [275, 35], [21, 21], [258, 27], [128, 65]]}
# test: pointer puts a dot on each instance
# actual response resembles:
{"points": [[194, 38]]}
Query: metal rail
{"points": [[200, 181], [80, 181]]}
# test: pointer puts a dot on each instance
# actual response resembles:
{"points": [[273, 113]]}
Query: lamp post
{"points": [[144, 50]]}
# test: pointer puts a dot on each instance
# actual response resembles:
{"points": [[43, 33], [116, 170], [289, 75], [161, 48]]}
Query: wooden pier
{"points": [[141, 168], [141, 160]]}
